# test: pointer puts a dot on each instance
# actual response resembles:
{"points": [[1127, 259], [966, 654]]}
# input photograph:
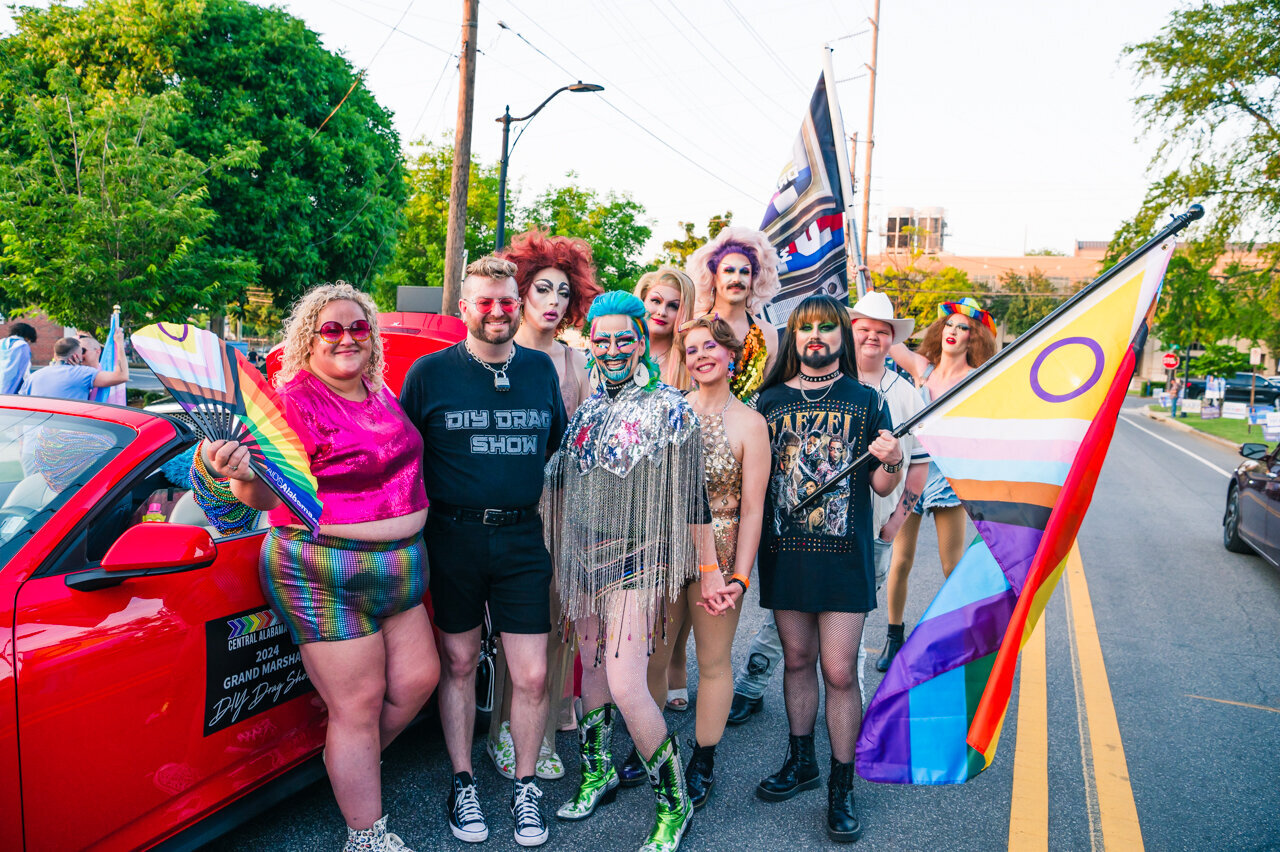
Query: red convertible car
{"points": [[145, 687]]}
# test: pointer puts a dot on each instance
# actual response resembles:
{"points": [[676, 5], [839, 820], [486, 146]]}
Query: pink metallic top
{"points": [[366, 456]]}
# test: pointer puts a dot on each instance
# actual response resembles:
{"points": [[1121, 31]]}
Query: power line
{"points": [[427, 103], [394, 28], [768, 49]]}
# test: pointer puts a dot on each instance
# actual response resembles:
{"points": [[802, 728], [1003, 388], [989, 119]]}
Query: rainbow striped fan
{"points": [[230, 400]]}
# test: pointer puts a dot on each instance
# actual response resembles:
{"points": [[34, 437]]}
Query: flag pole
{"points": [[842, 159], [1181, 221]]}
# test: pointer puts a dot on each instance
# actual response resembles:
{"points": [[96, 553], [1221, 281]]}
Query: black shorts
{"points": [[472, 563]]}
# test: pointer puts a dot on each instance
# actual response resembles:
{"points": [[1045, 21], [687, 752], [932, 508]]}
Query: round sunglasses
{"points": [[332, 331]]}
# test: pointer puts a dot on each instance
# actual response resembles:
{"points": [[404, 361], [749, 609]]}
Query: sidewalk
{"points": [[1176, 424]]}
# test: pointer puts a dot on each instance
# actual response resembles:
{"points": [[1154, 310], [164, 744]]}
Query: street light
{"points": [[506, 119]]}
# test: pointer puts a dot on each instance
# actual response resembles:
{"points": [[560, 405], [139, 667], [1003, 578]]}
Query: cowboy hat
{"points": [[970, 308], [876, 306]]}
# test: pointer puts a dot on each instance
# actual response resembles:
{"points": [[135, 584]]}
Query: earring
{"points": [[733, 369], [641, 375]]}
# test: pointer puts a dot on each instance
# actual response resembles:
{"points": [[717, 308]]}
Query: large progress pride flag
{"points": [[1022, 441]]}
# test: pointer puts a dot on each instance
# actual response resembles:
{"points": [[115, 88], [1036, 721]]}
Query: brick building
{"points": [[47, 334]]}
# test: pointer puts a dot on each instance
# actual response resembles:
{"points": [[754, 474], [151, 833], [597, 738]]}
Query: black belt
{"points": [[489, 517]]}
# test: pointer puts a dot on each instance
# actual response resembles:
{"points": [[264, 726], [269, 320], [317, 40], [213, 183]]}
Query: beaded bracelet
{"points": [[214, 497], [707, 569]]}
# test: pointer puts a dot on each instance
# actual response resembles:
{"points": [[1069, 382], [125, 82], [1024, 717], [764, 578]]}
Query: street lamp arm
{"points": [[538, 109]]}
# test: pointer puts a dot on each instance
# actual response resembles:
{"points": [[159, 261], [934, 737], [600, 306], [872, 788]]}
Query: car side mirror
{"points": [[1253, 451], [148, 550]]}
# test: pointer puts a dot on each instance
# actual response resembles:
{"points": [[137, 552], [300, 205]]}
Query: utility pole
{"points": [[871, 119], [849, 259], [456, 236]]}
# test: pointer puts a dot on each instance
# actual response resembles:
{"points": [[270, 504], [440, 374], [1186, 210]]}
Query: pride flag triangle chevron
{"points": [[1021, 441]]}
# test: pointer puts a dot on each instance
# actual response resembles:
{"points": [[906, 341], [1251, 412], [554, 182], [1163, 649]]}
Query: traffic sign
{"points": [[1170, 361]]}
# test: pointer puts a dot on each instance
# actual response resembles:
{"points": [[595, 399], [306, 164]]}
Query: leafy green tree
{"points": [[1211, 76], [676, 252], [1021, 301], [1219, 359], [99, 207], [418, 259], [916, 291], [614, 226], [322, 199], [1045, 252]]}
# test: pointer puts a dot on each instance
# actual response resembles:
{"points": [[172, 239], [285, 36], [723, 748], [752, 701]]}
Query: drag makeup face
{"points": [[663, 304], [733, 279], [617, 346], [490, 308], [835, 451], [707, 361], [955, 334], [345, 359], [818, 344], [547, 299], [872, 338]]}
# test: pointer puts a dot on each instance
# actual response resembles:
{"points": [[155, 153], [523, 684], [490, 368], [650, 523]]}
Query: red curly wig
{"points": [[536, 250]]}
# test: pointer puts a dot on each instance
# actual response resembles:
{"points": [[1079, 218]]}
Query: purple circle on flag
{"points": [[1099, 358]]}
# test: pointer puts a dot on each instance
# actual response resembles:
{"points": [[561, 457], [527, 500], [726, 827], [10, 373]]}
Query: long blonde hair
{"points": [[301, 322], [674, 371]]}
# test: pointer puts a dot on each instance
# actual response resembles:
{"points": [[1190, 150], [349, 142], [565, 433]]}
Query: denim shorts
{"points": [[938, 493]]}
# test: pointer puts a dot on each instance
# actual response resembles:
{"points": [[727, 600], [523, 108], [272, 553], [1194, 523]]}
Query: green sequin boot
{"points": [[599, 785], [666, 776]]}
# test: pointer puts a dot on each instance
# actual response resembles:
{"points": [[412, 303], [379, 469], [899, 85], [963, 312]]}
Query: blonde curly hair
{"points": [[301, 323], [764, 267]]}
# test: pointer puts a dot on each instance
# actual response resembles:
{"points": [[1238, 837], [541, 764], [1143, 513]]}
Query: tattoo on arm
{"points": [[909, 499]]}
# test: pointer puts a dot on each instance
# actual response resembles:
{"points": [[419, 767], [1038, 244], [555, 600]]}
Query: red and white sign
{"points": [[1170, 361]]}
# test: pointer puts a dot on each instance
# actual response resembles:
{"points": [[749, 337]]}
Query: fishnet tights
{"points": [[834, 638]]}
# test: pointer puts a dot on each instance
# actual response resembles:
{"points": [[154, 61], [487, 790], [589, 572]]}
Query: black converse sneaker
{"points": [[526, 810], [466, 820]]}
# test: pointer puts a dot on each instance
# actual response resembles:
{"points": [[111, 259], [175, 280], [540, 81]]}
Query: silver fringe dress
{"points": [[620, 495]]}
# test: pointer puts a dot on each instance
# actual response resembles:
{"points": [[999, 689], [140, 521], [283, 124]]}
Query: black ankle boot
{"points": [[633, 773], [892, 644], [799, 772], [842, 824], [698, 776]]}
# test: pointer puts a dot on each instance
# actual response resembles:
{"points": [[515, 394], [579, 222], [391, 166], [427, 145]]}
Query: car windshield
{"points": [[44, 459]]}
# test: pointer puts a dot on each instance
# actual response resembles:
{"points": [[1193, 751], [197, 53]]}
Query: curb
{"points": [[1165, 418]]}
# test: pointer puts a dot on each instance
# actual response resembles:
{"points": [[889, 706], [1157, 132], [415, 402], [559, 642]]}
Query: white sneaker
{"points": [[503, 754], [549, 766], [526, 809]]}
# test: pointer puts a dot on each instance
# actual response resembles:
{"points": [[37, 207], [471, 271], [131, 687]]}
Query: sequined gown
{"points": [[724, 486]]}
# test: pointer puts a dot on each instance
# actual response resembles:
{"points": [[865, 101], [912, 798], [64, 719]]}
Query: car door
{"points": [[146, 705], [1253, 500], [1271, 506]]}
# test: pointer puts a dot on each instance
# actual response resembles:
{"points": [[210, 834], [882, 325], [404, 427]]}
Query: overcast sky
{"points": [[1015, 116]]}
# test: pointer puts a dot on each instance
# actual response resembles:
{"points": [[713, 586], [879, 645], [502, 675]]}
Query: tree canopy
{"points": [[299, 166], [1213, 97], [1021, 301]]}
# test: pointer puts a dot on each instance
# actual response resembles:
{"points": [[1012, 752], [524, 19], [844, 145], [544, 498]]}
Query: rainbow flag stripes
{"points": [[247, 624], [1022, 444]]}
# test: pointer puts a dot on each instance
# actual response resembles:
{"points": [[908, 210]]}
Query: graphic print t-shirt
{"points": [[811, 441], [484, 448]]}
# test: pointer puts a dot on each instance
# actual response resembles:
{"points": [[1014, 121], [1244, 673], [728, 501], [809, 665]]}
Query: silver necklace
{"points": [[500, 380], [825, 391]]}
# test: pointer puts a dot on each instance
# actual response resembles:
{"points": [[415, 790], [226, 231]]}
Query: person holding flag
{"points": [[960, 340], [734, 276], [817, 567]]}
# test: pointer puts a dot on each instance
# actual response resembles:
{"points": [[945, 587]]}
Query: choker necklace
{"points": [[815, 379], [500, 380]]}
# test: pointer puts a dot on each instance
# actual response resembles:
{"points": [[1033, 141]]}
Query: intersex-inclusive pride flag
{"points": [[1021, 440], [115, 394], [805, 218]]}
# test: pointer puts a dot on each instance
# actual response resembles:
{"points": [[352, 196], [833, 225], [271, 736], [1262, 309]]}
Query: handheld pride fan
{"points": [[230, 400]]}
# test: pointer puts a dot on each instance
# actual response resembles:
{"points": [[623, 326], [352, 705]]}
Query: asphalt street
{"points": [[1168, 738]]}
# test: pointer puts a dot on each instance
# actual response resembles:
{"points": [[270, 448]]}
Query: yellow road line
{"points": [[1235, 703], [1029, 808], [1118, 814]]}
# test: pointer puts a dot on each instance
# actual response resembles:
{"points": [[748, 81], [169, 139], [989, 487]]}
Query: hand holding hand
{"points": [[715, 598]]}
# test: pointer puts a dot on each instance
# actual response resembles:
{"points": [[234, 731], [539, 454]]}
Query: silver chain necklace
{"points": [[825, 391], [500, 380]]}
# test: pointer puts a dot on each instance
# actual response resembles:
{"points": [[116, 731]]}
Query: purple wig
{"points": [[731, 247]]}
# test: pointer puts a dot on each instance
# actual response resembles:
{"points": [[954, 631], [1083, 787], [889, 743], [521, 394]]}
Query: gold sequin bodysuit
{"points": [[724, 484]]}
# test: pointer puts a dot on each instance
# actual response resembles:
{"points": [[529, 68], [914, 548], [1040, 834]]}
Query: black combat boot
{"points": [[799, 772]]}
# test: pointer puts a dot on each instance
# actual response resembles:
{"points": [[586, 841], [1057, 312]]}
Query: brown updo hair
{"points": [[721, 332]]}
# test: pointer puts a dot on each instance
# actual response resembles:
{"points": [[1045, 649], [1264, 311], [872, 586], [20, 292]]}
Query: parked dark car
{"points": [[1237, 389], [1252, 519]]}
